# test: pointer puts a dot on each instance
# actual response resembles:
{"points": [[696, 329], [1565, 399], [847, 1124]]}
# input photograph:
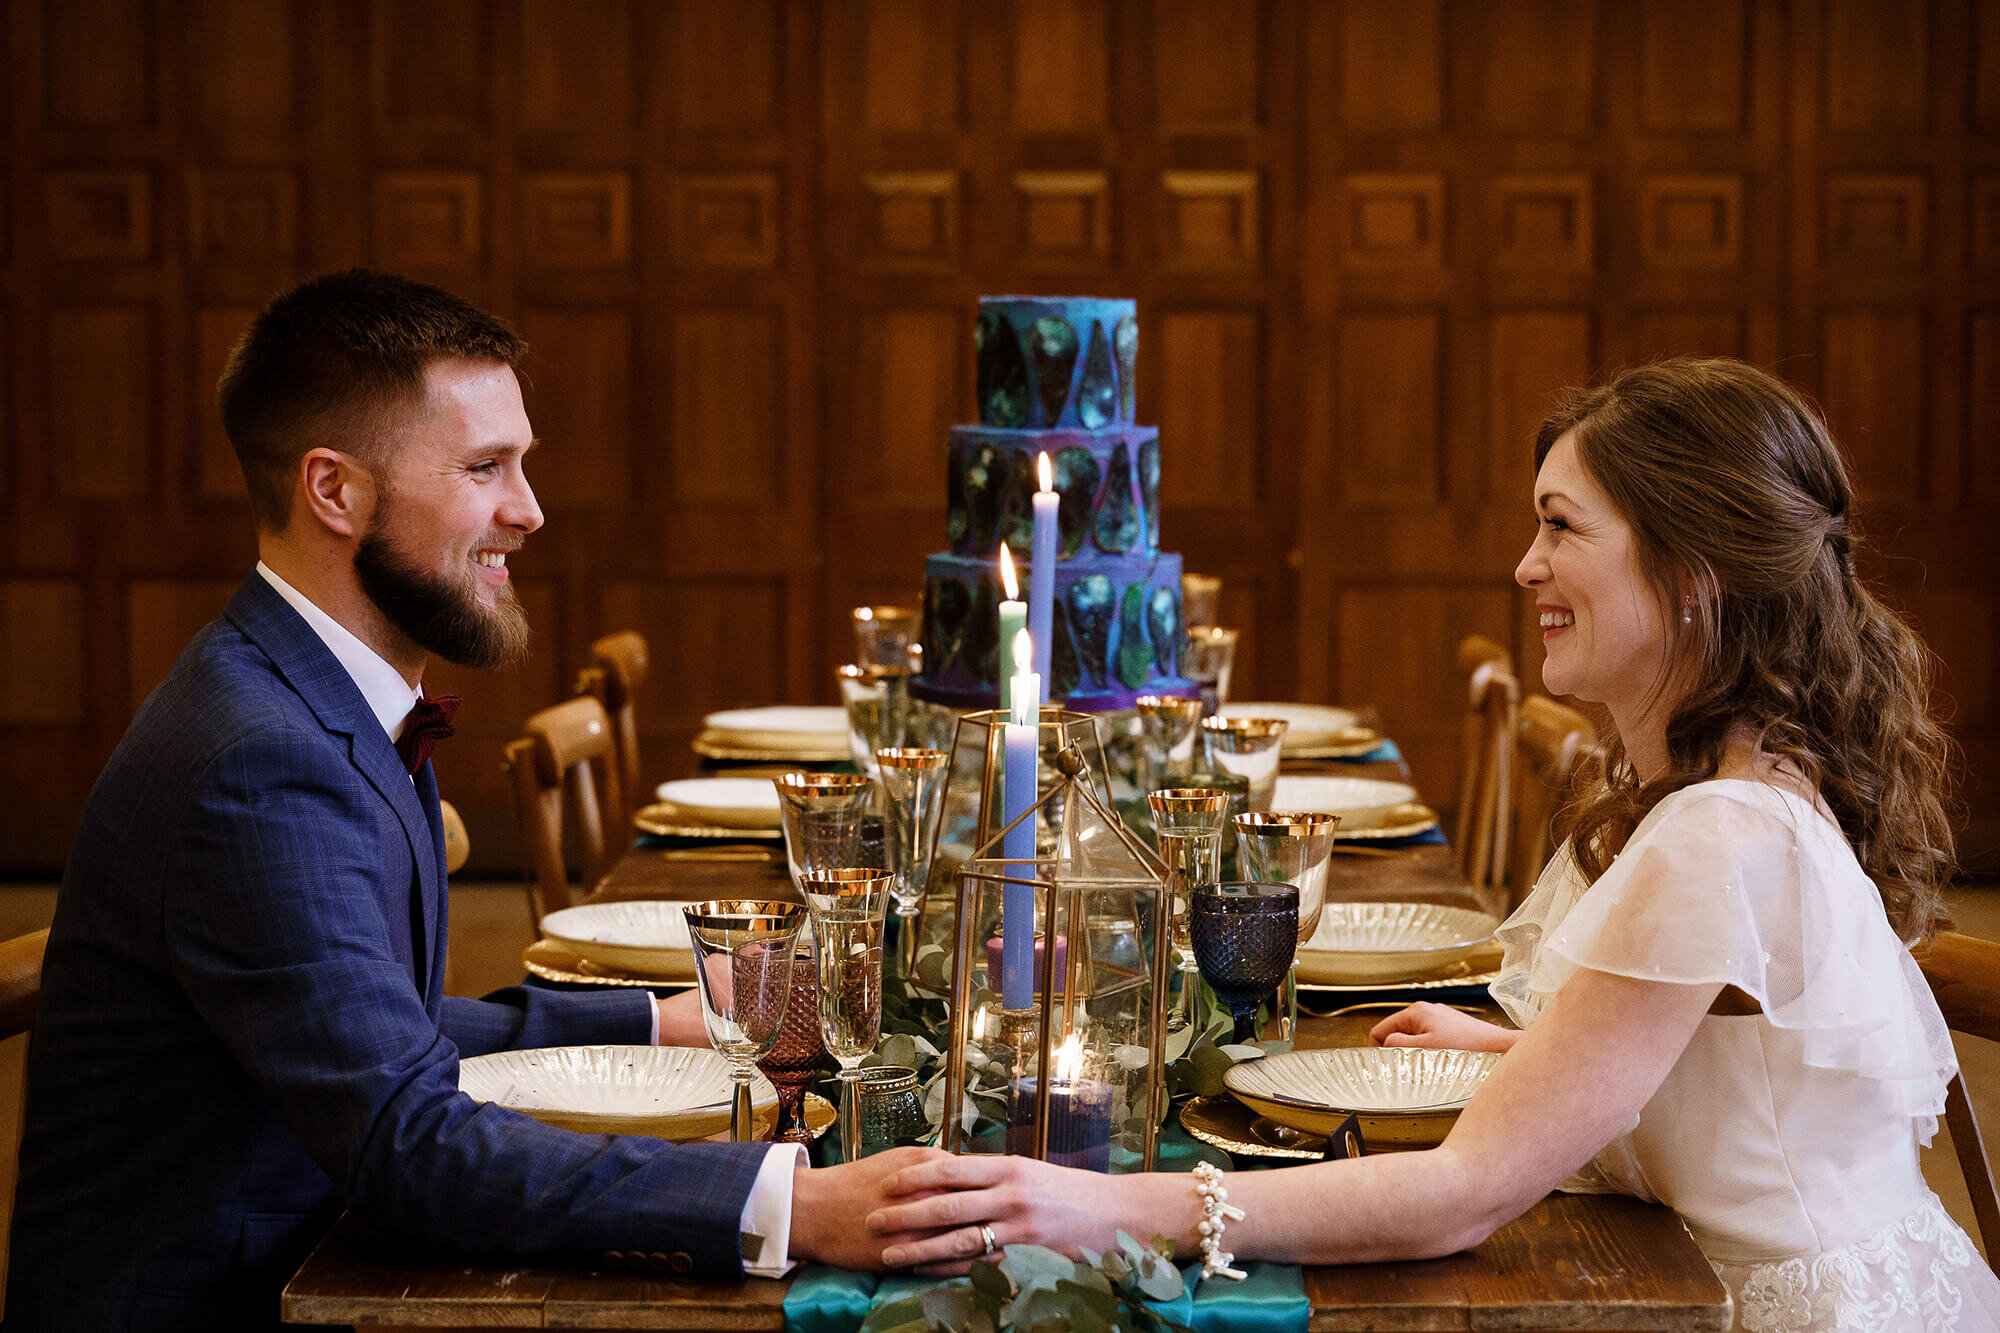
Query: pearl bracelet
{"points": [[1216, 1213]]}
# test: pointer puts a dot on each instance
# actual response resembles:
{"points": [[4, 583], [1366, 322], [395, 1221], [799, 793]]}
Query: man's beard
{"points": [[437, 614]]}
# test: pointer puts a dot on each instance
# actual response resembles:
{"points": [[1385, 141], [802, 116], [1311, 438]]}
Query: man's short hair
{"points": [[329, 361]]}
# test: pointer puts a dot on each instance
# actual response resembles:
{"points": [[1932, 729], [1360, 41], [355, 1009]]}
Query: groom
{"points": [[243, 1028]]}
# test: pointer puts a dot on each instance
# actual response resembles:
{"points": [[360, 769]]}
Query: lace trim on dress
{"points": [[1908, 1275]]}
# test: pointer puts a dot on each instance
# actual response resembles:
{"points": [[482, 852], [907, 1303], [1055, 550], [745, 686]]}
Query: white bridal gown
{"points": [[1786, 1139]]}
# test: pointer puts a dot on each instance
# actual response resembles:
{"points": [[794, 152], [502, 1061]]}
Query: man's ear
{"points": [[336, 491]]}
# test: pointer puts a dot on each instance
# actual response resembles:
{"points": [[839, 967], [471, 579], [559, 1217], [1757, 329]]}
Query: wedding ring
{"points": [[986, 1238]]}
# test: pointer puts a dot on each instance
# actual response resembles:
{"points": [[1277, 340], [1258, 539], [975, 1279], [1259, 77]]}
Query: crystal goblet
{"points": [[743, 971], [822, 814], [1249, 748], [1189, 823], [1168, 729], [1289, 848], [798, 1056], [912, 788], [1244, 937], [848, 905]]}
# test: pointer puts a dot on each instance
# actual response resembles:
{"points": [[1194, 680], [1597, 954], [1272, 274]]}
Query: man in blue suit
{"points": [[243, 1028]]}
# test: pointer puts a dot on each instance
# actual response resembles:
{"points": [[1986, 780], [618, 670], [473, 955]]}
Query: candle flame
{"points": [[1042, 470], [1069, 1058], [1007, 579], [1024, 653]]}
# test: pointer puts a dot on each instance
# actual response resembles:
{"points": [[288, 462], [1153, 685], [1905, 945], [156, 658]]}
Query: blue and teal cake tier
{"points": [[1118, 631], [1056, 377]]}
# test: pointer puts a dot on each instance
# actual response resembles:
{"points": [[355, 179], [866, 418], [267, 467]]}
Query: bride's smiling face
{"points": [[1604, 624]]}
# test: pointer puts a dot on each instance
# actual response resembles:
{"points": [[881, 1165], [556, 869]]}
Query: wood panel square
{"points": [[576, 218], [1210, 396], [215, 332], [99, 70], [100, 214], [1207, 70], [1688, 221], [1691, 64], [1873, 387], [243, 65], [1062, 77], [1210, 221], [1392, 219], [427, 218], [6, 218], [102, 395], [912, 220], [161, 616], [1531, 356], [727, 408], [1875, 220], [1986, 222], [907, 390], [1065, 218], [579, 397], [717, 641], [41, 651], [1543, 220], [1390, 407], [242, 214], [1983, 408], [1392, 65], [910, 55], [724, 219], [1876, 75]]}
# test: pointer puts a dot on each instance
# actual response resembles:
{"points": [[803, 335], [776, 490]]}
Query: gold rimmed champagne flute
{"points": [[1188, 822], [1289, 848], [743, 971], [848, 906], [912, 785]]}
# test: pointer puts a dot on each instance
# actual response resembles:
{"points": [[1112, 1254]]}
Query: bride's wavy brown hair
{"points": [[1734, 488]]}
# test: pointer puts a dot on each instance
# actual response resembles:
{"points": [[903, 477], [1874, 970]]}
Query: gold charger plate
{"points": [[1225, 1123], [558, 962], [1347, 743], [712, 747], [664, 819], [1387, 821]]}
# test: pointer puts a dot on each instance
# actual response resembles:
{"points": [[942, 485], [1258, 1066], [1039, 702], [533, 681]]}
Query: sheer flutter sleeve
{"points": [[1743, 884]]}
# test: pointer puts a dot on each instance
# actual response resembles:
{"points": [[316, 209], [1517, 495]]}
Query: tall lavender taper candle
{"points": [[1017, 901], [1042, 577]]}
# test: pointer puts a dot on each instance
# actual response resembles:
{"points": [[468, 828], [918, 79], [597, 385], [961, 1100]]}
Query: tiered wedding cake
{"points": [[1055, 377]]}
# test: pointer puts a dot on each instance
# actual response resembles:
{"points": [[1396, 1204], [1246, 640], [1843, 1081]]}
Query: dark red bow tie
{"points": [[428, 723]]}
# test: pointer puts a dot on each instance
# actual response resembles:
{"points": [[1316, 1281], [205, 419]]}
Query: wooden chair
{"points": [[1486, 765], [618, 667], [1556, 751], [457, 845], [21, 982], [1965, 977], [565, 759]]}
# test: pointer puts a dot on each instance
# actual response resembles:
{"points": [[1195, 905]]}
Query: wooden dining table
{"points": [[1569, 1262]]}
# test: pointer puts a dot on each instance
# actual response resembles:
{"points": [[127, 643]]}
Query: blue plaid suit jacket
{"points": [[243, 1029]]}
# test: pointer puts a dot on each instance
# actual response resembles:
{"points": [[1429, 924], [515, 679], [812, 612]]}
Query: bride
{"points": [[1717, 1004]]}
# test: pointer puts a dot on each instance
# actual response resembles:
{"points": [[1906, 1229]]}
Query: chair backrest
{"points": [[1965, 977], [1486, 765], [457, 845], [619, 664], [1556, 752], [563, 760], [21, 982]]}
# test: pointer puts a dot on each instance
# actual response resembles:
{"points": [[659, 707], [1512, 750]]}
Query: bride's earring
{"points": [[1687, 609]]}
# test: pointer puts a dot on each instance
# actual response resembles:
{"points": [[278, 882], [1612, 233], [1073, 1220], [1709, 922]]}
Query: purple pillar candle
{"points": [[995, 965], [1079, 1123]]}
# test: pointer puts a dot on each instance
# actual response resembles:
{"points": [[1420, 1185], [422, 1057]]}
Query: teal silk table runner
{"points": [[1271, 1300]]}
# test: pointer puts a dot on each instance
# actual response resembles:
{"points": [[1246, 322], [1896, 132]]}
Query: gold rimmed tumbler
{"points": [[1189, 823], [1248, 747], [743, 971], [848, 908], [1289, 848], [887, 635], [912, 789], [1207, 658], [822, 814], [1168, 731]]}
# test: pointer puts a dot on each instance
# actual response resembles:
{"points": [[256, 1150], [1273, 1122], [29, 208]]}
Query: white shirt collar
{"points": [[389, 696]]}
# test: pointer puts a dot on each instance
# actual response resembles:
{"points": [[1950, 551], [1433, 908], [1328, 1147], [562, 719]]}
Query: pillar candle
{"points": [[1013, 619], [1042, 577], [1017, 903]]}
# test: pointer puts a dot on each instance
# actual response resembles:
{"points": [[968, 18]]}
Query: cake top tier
{"points": [[1055, 361]]}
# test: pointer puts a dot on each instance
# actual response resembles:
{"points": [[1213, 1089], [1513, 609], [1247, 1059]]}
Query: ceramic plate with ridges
{"points": [[795, 720], [725, 802], [1390, 941], [1313, 1089], [1298, 791], [650, 938], [673, 1092]]}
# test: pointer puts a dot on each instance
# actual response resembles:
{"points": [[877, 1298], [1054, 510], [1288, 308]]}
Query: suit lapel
{"points": [[323, 683]]}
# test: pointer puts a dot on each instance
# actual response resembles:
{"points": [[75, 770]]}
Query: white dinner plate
{"points": [[680, 1093], [1384, 942], [1299, 791], [649, 937], [1403, 1094], [1307, 725], [727, 802], [818, 720]]}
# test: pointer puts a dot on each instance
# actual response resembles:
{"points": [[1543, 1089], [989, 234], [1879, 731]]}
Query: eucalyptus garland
{"points": [[1030, 1288]]}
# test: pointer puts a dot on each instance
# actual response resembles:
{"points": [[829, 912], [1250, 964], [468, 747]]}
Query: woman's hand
{"points": [[933, 1220], [829, 1202], [1441, 1027]]}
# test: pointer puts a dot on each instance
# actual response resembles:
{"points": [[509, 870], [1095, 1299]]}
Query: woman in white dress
{"points": [[1716, 1002]]}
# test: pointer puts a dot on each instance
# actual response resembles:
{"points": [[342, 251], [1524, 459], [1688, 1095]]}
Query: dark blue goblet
{"points": [[1244, 936]]}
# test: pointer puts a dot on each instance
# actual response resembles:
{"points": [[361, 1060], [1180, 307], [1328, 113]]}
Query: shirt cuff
{"points": [[766, 1226], [653, 1008]]}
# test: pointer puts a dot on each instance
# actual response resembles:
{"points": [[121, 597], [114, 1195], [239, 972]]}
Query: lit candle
{"points": [[1079, 1114], [1042, 574], [1017, 902], [1013, 619]]}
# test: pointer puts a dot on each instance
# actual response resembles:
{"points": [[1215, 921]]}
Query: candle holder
{"points": [[1099, 992], [1249, 748], [1289, 849], [912, 786], [1188, 821]]}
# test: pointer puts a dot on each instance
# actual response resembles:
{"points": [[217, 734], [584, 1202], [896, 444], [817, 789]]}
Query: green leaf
{"points": [[1210, 1064], [987, 1277], [905, 1314]]}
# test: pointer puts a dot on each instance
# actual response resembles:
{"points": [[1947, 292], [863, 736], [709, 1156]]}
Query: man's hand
{"points": [[680, 1020], [829, 1204]]}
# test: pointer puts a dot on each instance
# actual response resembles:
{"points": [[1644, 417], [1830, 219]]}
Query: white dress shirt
{"points": [[767, 1213]]}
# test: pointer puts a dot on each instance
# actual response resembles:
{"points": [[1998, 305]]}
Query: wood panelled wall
{"points": [[1368, 239]]}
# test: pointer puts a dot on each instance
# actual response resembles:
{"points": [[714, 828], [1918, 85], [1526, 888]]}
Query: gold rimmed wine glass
{"points": [[743, 972], [1169, 730], [1289, 848], [822, 813], [848, 907]]}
